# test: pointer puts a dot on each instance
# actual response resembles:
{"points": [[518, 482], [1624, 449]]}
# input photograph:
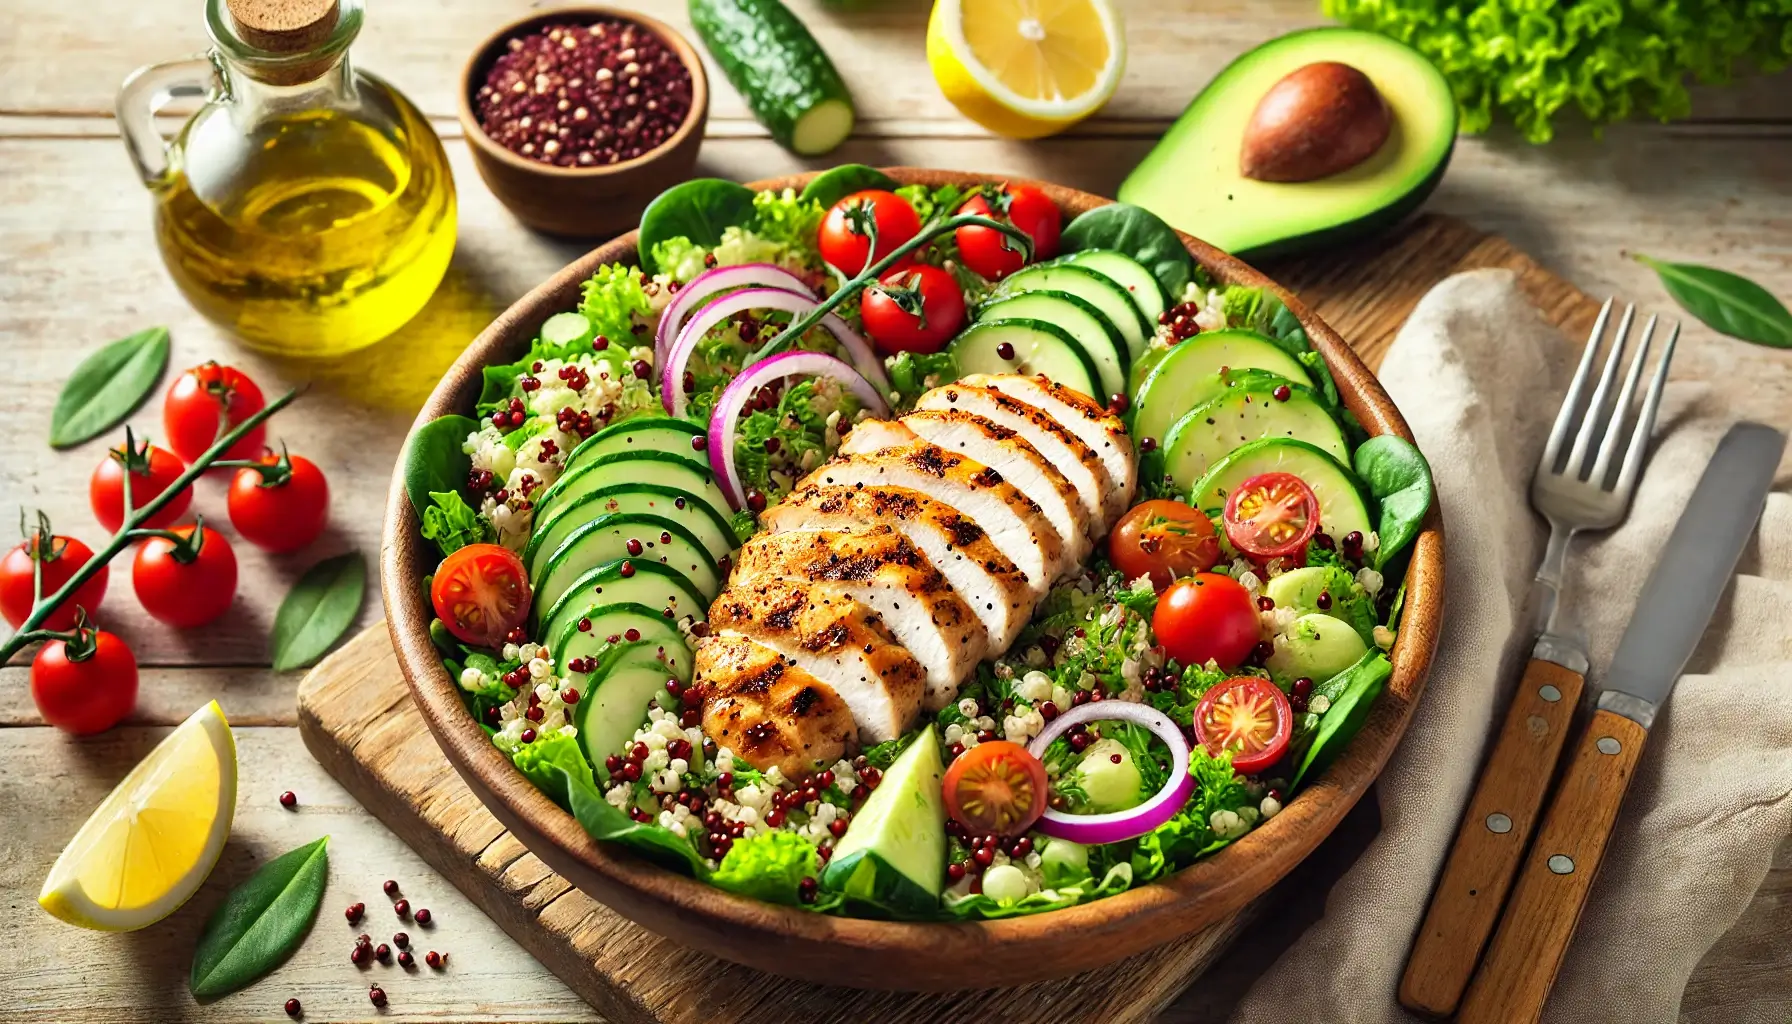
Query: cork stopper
{"points": [[285, 27]]}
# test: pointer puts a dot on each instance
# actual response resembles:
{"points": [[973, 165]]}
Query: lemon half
{"points": [[155, 838], [1026, 68]]}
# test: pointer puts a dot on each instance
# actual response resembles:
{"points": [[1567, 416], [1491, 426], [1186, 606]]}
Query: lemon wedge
{"points": [[155, 837], [1026, 68]]}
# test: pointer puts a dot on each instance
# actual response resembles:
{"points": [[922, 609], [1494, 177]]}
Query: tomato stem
{"points": [[273, 474]]}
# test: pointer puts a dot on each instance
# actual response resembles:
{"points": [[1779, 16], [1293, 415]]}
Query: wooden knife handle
{"points": [[1491, 840], [1521, 963]]}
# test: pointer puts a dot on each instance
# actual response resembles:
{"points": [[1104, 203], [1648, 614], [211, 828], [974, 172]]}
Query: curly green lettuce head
{"points": [[770, 866], [614, 300], [783, 231]]}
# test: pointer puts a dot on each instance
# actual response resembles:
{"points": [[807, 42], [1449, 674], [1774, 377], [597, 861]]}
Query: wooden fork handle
{"points": [[1526, 953], [1490, 842]]}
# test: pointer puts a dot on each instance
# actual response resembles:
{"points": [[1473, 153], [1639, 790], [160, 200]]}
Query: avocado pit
{"points": [[1321, 119]]}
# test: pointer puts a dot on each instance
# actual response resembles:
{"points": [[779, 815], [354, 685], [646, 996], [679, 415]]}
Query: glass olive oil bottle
{"points": [[307, 206]]}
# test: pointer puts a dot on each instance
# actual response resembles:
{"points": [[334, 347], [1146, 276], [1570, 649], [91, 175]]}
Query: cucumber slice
{"points": [[1340, 495], [894, 852], [1082, 321], [1140, 284], [641, 539], [564, 329], [1165, 394], [628, 679], [648, 467], [1034, 346], [612, 625], [1096, 289], [667, 434], [1205, 434], [650, 584], [779, 70], [710, 529]]}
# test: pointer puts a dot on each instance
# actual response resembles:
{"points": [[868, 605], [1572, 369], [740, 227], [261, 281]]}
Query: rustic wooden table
{"points": [[78, 267]]}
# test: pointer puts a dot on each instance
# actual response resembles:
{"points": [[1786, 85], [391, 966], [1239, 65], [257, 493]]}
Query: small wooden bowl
{"points": [[1206, 897], [582, 202]]}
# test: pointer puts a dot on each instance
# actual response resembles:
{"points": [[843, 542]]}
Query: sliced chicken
{"points": [[767, 710], [1083, 416], [879, 567], [1014, 521], [1077, 516], [1076, 460], [998, 592], [835, 639]]}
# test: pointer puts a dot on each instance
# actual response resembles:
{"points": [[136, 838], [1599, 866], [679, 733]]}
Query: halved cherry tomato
{"points": [[1272, 515], [481, 593], [151, 470], [913, 309], [845, 240], [1163, 539], [996, 788], [1207, 617], [205, 402], [1249, 716], [993, 255]]}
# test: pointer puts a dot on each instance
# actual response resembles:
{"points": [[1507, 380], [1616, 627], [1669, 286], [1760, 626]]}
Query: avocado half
{"points": [[1191, 178]]}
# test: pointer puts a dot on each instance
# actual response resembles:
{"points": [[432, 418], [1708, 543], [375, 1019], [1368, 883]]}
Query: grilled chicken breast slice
{"points": [[1083, 416], [1013, 520], [835, 639], [998, 592], [1077, 461], [879, 567], [768, 711]]}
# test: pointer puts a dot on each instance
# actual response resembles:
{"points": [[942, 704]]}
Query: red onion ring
{"points": [[1095, 829], [691, 297], [864, 359], [740, 391]]}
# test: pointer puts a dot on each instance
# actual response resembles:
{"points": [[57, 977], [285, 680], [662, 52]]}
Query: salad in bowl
{"points": [[915, 552]]}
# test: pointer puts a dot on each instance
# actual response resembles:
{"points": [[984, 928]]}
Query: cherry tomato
{"points": [[481, 593], [181, 587], [193, 415], [996, 788], [1249, 716], [152, 470], [1271, 515], [1207, 617], [61, 557], [1163, 539], [283, 509], [846, 230], [85, 694], [993, 255], [913, 309]]}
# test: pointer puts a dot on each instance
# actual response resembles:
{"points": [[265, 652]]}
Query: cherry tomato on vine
{"points": [[85, 685], [282, 507], [1163, 539], [481, 593], [1207, 617], [152, 470], [194, 413], [61, 557], [993, 255], [1271, 515], [913, 309], [996, 788], [846, 230], [186, 582], [1249, 716]]}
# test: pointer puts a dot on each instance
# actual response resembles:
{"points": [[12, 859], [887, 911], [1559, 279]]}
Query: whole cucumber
{"points": [[778, 68]]}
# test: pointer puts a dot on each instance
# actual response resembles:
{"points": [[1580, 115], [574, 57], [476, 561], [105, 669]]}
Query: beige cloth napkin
{"points": [[1479, 376]]}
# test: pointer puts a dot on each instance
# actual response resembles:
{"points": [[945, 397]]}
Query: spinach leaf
{"points": [[607, 824], [1356, 688], [433, 460], [831, 186], [498, 384], [108, 386], [1399, 479], [261, 922], [1727, 303], [698, 209], [1138, 233], [318, 610]]}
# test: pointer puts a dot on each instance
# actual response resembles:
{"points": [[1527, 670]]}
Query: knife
{"points": [[1676, 605]]}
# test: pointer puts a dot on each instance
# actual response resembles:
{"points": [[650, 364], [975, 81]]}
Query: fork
{"points": [[1575, 488]]}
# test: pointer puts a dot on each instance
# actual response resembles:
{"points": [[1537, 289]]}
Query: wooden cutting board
{"points": [[356, 717]]}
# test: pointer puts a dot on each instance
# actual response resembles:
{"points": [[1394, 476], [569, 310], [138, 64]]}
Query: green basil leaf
{"points": [[1138, 233], [1399, 479], [698, 209], [433, 460], [831, 186], [261, 922], [1357, 687], [1727, 303], [318, 610], [108, 386]]}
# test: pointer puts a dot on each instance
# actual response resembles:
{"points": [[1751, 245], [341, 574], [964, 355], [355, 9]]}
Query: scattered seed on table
{"points": [[384, 953], [293, 1009], [391, 887], [377, 995], [405, 959], [354, 912], [403, 908], [433, 959], [289, 799], [358, 955], [423, 915], [401, 940]]}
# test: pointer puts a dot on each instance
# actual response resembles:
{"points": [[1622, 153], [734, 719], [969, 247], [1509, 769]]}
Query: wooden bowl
{"points": [[582, 202], [876, 954]]}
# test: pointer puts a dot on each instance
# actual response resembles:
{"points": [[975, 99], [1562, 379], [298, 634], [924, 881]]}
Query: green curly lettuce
{"points": [[1188, 836], [453, 524], [783, 231], [613, 298], [769, 866]]}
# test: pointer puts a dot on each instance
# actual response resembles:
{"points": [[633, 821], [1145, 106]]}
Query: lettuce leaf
{"points": [[453, 524], [769, 866], [613, 297], [976, 906]]}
